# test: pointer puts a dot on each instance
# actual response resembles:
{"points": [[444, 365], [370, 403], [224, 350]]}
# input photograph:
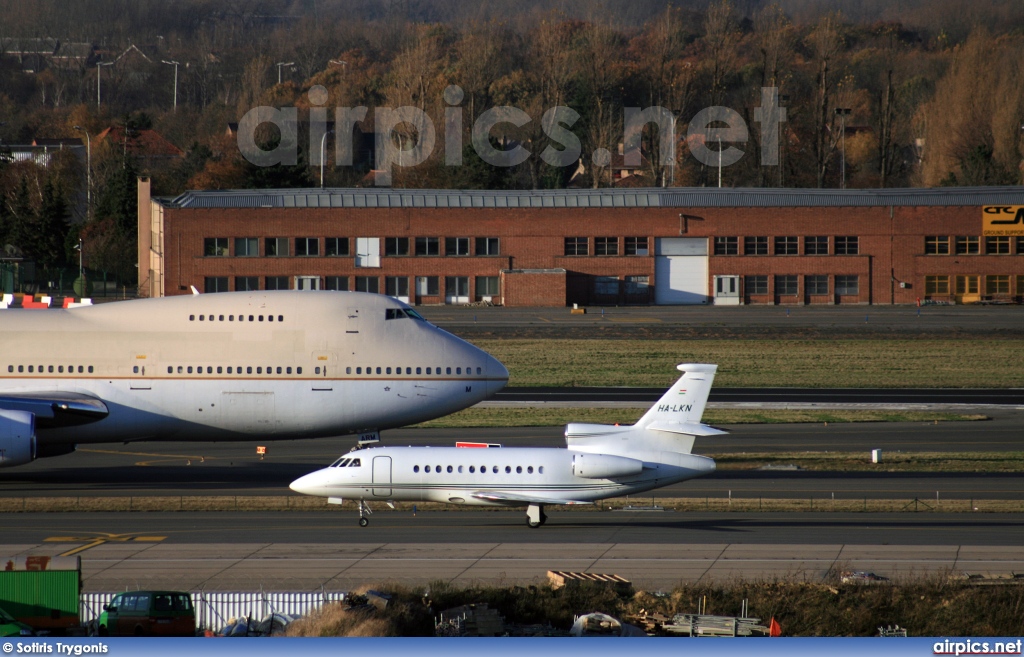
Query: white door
{"points": [[680, 270], [727, 290], [367, 252], [382, 476]]}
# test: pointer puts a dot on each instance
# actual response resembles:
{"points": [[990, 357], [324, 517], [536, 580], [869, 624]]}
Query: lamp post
{"points": [[175, 64], [342, 64], [88, 172], [99, 82], [279, 65], [323, 142], [842, 113]]}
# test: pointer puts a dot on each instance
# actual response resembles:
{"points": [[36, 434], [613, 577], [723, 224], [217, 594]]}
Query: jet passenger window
{"points": [[472, 469], [495, 470], [519, 469], [508, 469], [298, 370], [415, 468], [529, 470], [426, 468], [449, 469]]}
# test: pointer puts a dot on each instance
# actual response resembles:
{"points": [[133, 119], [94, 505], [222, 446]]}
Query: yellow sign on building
{"points": [[998, 220]]}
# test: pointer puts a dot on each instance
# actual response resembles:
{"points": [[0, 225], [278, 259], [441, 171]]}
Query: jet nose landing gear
{"points": [[364, 510], [535, 516]]}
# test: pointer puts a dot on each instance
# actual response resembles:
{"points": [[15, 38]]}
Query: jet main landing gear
{"points": [[535, 516]]}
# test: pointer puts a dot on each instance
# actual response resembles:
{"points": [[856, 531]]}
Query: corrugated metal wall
{"points": [[214, 609]]}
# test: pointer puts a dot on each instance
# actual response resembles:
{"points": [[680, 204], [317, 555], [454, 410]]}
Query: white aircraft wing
{"points": [[54, 408], [517, 498]]}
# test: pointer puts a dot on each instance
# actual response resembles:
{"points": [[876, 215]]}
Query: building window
{"points": [[277, 283], [246, 247], [488, 246], [756, 284], [638, 285], [997, 245], [849, 285], [247, 283], [966, 245], [427, 286], [307, 246], [756, 245], [456, 246], [456, 287], [216, 284], [576, 246], [276, 247], [1020, 246], [428, 246], [636, 246], [396, 286], [936, 284], [936, 245], [966, 284], [1020, 284], [726, 245], [368, 284], [336, 283], [606, 286], [816, 245], [847, 245], [487, 286], [787, 245], [606, 246], [816, 284], [396, 246], [786, 284], [997, 285], [336, 246], [215, 246]]}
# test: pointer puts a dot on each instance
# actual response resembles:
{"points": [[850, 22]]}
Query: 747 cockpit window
{"points": [[394, 313], [415, 315]]}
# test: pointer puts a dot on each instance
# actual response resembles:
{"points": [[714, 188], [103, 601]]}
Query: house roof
{"points": [[141, 143], [672, 197]]}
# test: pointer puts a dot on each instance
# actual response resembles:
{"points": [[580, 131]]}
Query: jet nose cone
{"points": [[304, 485]]}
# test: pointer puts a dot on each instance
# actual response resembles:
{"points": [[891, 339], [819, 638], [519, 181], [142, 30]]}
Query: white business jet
{"points": [[598, 462], [233, 366]]}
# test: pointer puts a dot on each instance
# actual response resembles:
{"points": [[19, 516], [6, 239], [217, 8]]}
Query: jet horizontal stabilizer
{"points": [[688, 428]]}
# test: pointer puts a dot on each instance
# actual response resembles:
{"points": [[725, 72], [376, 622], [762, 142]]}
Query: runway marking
{"points": [[635, 320], [99, 539], [159, 457]]}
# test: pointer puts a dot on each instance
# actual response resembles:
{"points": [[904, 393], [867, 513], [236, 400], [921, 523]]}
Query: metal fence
{"points": [[215, 609]]}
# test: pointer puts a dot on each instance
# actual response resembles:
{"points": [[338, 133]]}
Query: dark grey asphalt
{"points": [[1002, 396], [234, 469], [566, 527]]}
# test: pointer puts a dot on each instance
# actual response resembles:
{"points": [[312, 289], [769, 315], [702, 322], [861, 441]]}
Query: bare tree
{"points": [[826, 44], [773, 36]]}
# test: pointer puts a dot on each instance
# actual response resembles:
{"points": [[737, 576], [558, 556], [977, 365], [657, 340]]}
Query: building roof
{"points": [[674, 197]]}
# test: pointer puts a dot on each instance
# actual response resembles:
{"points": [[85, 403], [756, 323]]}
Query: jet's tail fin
{"points": [[684, 402], [671, 425]]}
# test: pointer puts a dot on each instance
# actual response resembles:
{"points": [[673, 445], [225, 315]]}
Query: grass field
{"points": [[549, 417], [874, 363]]}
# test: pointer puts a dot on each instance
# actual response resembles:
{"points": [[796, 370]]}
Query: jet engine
{"points": [[604, 466], [17, 438]]}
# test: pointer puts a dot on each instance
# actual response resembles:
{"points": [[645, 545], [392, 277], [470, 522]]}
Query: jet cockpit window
{"points": [[355, 464], [395, 313], [415, 315], [340, 463]]}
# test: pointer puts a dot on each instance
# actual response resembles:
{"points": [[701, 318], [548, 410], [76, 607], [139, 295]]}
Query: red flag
{"points": [[774, 629]]}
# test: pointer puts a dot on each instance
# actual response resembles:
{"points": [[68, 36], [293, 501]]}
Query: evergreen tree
{"points": [[52, 227]]}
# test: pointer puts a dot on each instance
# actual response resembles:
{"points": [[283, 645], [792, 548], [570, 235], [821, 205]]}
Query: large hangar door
{"points": [[680, 270]]}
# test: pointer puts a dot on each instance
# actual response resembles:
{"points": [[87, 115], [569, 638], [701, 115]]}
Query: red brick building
{"points": [[594, 247]]}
